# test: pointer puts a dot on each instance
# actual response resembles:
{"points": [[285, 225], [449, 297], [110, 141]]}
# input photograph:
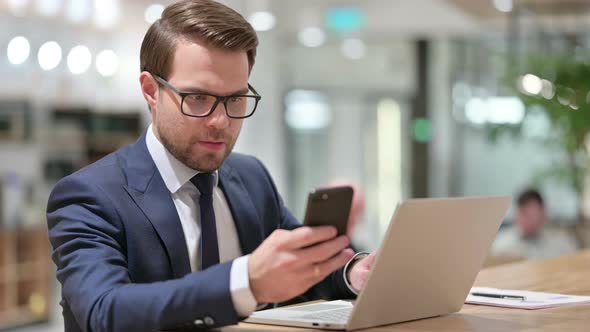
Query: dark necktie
{"points": [[209, 247]]}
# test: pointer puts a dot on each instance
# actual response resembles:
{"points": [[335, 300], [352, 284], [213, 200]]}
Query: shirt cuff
{"points": [[356, 257], [239, 284]]}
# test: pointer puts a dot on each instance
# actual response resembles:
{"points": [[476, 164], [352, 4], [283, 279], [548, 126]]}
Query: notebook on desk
{"points": [[429, 258], [519, 299]]}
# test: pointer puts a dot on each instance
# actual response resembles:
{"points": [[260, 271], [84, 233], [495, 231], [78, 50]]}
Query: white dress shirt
{"points": [[185, 196]]}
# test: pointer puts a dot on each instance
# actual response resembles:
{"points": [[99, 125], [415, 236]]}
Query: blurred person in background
{"points": [[175, 230], [529, 237]]}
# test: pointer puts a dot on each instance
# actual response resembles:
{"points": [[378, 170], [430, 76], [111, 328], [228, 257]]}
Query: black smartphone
{"points": [[329, 206]]}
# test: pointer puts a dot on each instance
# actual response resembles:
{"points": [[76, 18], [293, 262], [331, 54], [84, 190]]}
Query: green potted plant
{"points": [[559, 88]]}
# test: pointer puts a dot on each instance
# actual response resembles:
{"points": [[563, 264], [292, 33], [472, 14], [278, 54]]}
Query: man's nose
{"points": [[218, 118]]}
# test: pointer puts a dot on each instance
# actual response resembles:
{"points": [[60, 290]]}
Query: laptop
{"points": [[427, 263]]}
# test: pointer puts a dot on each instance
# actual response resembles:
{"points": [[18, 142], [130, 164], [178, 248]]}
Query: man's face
{"points": [[200, 143], [530, 218]]}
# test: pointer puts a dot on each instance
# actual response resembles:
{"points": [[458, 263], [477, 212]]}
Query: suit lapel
{"points": [[247, 221], [146, 186]]}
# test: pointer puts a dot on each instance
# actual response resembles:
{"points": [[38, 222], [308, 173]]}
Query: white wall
{"points": [[263, 134]]}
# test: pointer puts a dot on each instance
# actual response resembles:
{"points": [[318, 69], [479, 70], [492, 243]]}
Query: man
{"points": [[528, 237], [175, 231]]}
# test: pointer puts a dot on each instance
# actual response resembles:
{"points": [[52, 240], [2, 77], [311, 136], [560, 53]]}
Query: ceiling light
{"points": [[262, 21], [312, 37], [49, 55], [18, 50], [79, 59], [107, 63]]}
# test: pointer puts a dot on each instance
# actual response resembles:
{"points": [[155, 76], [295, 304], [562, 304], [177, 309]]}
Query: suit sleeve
{"points": [[333, 286], [89, 250]]}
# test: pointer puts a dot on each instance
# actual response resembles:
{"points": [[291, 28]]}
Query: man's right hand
{"points": [[288, 263]]}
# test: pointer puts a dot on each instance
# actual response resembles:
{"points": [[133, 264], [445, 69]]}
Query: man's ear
{"points": [[149, 89]]}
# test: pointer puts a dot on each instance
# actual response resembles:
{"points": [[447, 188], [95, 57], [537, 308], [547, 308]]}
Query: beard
{"points": [[203, 161]]}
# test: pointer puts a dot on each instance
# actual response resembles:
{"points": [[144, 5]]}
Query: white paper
{"points": [[533, 300]]}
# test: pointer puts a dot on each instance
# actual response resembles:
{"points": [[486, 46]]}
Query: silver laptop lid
{"points": [[430, 256]]}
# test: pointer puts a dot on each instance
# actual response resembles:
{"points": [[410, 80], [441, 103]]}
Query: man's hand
{"points": [[359, 272], [288, 263]]}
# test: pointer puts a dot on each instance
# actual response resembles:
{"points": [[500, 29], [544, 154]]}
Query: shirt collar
{"points": [[174, 173]]}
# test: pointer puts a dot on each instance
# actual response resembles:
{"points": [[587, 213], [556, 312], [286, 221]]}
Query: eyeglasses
{"points": [[200, 105]]}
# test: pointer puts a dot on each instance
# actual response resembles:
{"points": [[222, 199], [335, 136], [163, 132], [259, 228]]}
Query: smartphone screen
{"points": [[329, 206]]}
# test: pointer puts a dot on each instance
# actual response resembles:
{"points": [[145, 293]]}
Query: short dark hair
{"points": [[206, 21], [530, 195]]}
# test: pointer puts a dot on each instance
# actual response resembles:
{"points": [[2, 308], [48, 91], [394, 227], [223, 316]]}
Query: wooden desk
{"points": [[568, 274]]}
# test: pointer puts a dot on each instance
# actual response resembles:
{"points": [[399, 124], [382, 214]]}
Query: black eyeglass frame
{"points": [[218, 99]]}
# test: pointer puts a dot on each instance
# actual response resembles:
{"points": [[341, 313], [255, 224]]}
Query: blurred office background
{"points": [[422, 98]]}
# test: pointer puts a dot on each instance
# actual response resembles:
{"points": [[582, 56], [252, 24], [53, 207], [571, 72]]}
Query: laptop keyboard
{"points": [[337, 315]]}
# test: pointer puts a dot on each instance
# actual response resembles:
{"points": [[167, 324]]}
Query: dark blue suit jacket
{"points": [[121, 254]]}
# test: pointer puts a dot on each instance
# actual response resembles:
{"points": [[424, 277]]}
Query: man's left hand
{"points": [[360, 271]]}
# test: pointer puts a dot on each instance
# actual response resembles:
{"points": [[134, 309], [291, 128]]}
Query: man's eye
{"points": [[198, 97]]}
